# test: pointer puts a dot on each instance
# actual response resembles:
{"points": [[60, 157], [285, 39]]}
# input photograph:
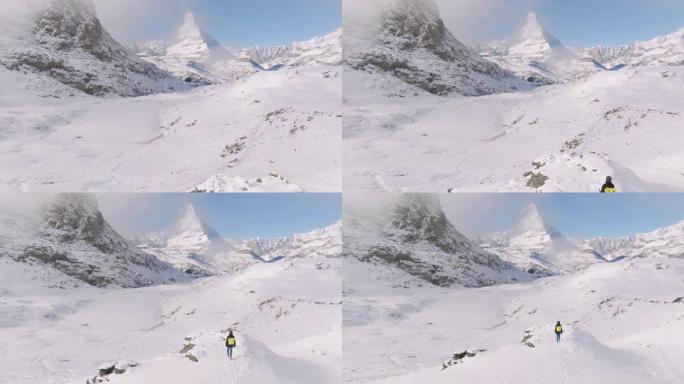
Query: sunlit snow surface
{"points": [[272, 131], [622, 323], [624, 123], [286, 315]]}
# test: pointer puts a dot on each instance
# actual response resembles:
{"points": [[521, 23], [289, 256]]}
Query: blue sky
{"points": [[575, 22], [238, 216], [575, 215], [232, 22]]}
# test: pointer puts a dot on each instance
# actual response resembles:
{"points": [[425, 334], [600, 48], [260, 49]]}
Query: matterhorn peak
{"points": [[532, 221], [190, 41], [189, 29], [189, 221], [532, 39]]}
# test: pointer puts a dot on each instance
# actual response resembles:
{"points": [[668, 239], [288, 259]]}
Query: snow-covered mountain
{"points": [[68, 234], [537, 247], [415, 236], [539, 57], [413, 45], [324, 50], [665, 242], [192, 246], [194, 56], [66, 42], [323, 242], [191, 42], [663, 50]]}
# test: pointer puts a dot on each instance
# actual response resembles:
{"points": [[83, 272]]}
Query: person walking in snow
{"points": [[558, 330], [608, 186], [230, 344]]}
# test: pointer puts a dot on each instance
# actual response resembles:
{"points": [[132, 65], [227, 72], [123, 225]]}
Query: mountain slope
{"points": [[69, 234], [413, 45], [415, 236], [622, 322], [663, 50], [68, 43]]}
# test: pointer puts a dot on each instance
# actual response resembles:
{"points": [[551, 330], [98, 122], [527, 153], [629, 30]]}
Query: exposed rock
{"points": [[69, 44], [415, 46]]}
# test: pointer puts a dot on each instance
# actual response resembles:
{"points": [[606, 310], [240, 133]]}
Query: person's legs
{"points": [[557, 337], [230, 352]]}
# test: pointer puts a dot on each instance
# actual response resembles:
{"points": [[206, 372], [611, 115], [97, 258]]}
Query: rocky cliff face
{"points": [[69, 44], [417, 238], [413, 44], [73, 237]]}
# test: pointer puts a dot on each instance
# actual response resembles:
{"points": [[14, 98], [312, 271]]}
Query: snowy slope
{"points": [[286, 318], [322, 242], [565, 137], [68, 236], [622, 321], [67, 43], [413, 235], [274, 131], [412, 49]]}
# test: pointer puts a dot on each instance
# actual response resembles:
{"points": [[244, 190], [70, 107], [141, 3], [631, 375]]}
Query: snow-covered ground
{"points": [[622, 123], [286, 316], [274, 131], [622, 322]]}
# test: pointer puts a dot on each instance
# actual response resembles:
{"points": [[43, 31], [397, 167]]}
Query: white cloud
{"points": [[135, 20]]}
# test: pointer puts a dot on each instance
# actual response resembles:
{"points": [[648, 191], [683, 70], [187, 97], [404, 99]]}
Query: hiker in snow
{"points": [[230, 344], [608, 186], [558, 329]]}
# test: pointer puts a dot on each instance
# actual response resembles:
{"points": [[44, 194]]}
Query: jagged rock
{"points": [[187, 348], [415, 46], [69, 44], [537, 180], [418, 239], [526, 339], [73, 237], [458, 357]]}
